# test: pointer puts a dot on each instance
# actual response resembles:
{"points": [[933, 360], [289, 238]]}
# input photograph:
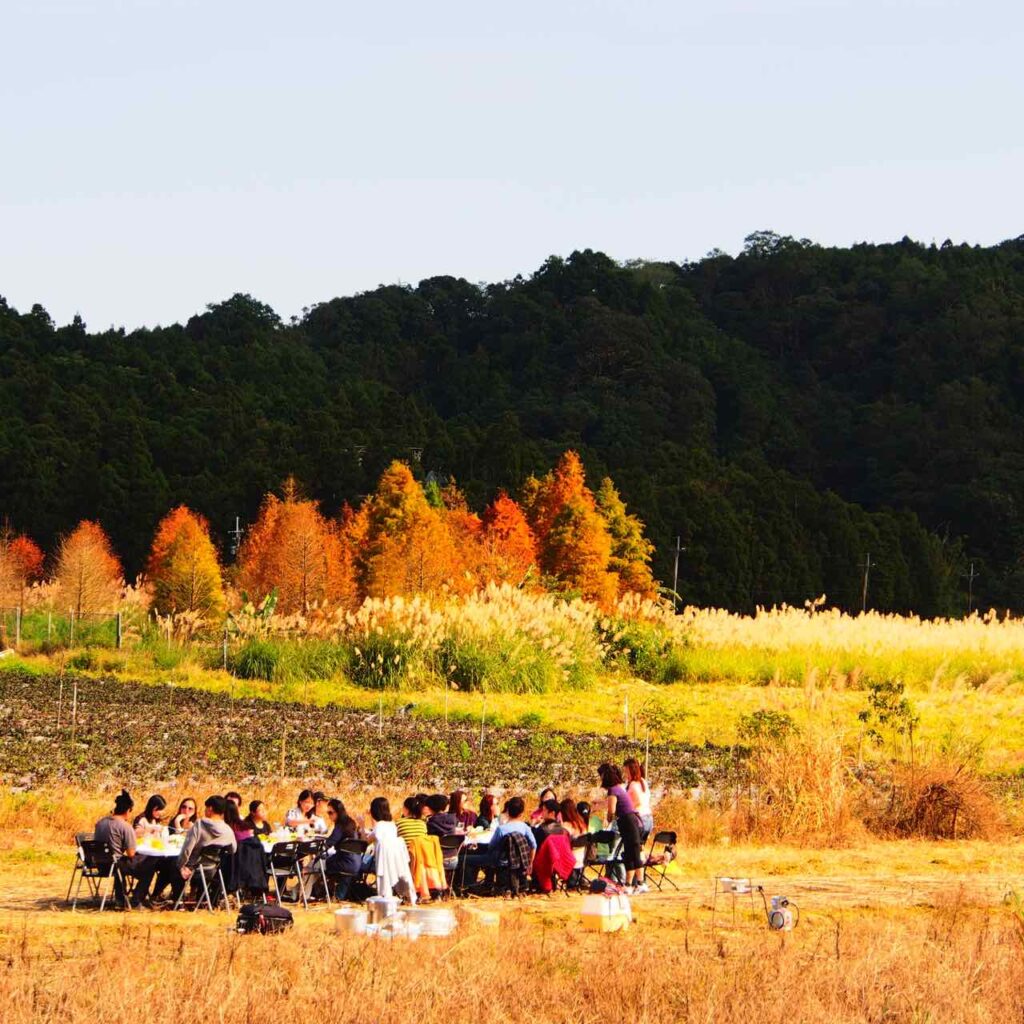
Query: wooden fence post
{"points": [[71, 633], [17, 627], [119, 631]]}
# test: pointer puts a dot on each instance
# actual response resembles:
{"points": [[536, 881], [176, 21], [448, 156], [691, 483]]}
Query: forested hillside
{"points": [[785, 412]]}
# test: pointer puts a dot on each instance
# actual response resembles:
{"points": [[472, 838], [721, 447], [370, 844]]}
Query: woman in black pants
{"points": [[620, 807]]}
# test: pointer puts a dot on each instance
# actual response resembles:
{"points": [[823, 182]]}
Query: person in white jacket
{"points": [[390, 854]]}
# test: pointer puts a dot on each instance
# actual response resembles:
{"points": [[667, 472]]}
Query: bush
{"points": [[505, 664], [83, 661], [940, 799], [646, 650], [256, 659]]}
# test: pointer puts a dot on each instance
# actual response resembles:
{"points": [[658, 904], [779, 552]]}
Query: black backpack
{"points": [[263, 919]]}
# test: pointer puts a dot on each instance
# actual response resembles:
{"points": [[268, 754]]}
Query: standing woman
{"points": [[620, 807], [639, 791]]}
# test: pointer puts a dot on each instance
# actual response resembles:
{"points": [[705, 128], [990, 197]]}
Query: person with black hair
{"points": [[411, 824], [620, 807], [151, 821], [487, 859], [547, 793], [340, 864], [299, 815], [550, 823], [118, 834], [235, 821], [211, 830], [186, 817], [441, 821], [390, 855], [256, 819], [235, 798]]}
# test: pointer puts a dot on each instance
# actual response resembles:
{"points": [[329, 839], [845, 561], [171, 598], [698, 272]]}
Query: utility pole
{"points": [[971, 577], [675, 573], [236, 537], [868, 566]]}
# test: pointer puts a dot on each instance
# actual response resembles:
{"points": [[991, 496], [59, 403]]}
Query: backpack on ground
{"points": [[263, 919]]}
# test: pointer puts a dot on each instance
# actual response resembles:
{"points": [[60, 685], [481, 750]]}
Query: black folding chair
{"points": [[209, 868], [284, 864], [603, 864], [450, 847], [311, 855], [575, 880], [657, 860], [95, 863], [352, 846]]}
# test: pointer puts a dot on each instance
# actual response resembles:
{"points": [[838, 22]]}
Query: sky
{"points": [[159, 156]]}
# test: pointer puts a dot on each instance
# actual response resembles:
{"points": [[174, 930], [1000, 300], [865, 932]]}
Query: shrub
{"points": [[941, 799], [256, 659]]}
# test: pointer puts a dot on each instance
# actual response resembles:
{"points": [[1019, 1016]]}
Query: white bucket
{"points": [[432, 920], [351, 920]]}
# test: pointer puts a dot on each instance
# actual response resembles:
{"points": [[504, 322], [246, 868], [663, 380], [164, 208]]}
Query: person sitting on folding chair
{"points": [[210, 830], [116, 831]]}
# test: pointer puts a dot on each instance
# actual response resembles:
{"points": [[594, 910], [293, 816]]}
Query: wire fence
{"points": [[48, 628]]}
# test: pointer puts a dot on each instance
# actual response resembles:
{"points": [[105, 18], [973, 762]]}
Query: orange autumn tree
{"points": [[572, 537], [183, 566], [405, 544], [21, 562], [510, 549], [88, 573], [631, 550], [293, 548], [467, 534]]}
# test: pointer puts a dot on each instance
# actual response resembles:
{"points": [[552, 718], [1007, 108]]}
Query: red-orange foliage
{"points": [[88, 572], [292, 547], [21, 562], [510, 549], [183, 566], [572, 537]]}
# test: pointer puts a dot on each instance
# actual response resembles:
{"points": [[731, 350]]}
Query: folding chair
{"points": [[353, 846], [450, 846], [208, 867], [603, 865], [659, 860], [284, 864], [97, 865], [311, 855], [575, 880], [79, 868]]}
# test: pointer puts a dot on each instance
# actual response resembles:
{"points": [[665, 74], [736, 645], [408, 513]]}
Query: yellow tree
{"points": [[183, 566], [88, 574], [406, 546], [293, 548], [631, 550]]}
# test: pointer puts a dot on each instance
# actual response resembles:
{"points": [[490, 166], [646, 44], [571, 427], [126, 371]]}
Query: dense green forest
{"points": [[785, 412]]}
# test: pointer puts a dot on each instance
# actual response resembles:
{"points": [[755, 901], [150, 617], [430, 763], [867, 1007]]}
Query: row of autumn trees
{"points": [[403, 539]]}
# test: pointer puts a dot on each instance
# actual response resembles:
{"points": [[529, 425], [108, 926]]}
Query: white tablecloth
{"points": [[159, 848]]}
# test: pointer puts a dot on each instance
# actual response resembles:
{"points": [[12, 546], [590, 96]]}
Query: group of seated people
{"points": [[406, 856]]}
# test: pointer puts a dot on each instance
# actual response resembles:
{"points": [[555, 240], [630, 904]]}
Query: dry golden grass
{"points": [[891, 931], [951, 964]]}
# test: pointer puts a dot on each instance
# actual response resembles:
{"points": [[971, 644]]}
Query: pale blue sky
{"points": [[157, 156]]}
